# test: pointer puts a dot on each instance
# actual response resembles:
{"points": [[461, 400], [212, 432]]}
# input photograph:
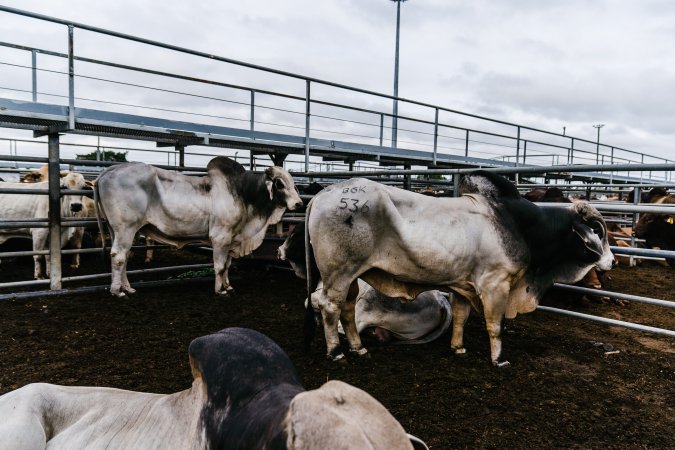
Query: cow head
{"points": [[590, 228], [657, 229], [75, 181], [281, 188]]}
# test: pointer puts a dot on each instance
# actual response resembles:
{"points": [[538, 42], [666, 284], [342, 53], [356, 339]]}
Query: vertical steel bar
{"points": [[71, 78], [524, 151], [636, 199], [252, 110], [54, 213], [466, 144], [517, 176], [571, 161], [307, 112], [435, 137], [381, 129], [34, 66]]}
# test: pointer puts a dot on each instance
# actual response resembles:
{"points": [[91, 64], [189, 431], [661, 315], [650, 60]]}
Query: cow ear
{"points": [[591, 240], [63, 173], [269, 181], [670, 220]]}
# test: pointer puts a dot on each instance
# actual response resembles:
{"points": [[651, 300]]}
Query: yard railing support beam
{"points": [[54, 213]]}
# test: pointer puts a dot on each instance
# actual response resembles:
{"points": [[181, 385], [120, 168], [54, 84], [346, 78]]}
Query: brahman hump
{"points": [[245, 395], [497, 251], [230, 209]]}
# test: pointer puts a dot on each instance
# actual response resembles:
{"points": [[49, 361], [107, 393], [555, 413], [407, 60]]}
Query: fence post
{"points": [[466, 144], [571, 154], [34, 65], [435, 138], [54, 261], [252, 110], [71, 78], [381, 129], [307, 111], [517, 175], [636, 199]]}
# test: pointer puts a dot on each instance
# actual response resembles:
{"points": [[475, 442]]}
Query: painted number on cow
{"points": [[354, 205], [354, 190]]}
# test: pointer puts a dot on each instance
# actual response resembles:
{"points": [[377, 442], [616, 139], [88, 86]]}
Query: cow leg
{"points": [[78, 234], [39, 243], [348, 319], [494, 307], [331, 301], [221, 264], [119, 254], [460, 313], [149, 252]]}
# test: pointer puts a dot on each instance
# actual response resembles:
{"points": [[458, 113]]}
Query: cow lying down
{"points": [[388, 319], [245, 395], [378, 317], [497, 251]]}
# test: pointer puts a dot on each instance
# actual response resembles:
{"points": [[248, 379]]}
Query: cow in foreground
{"points": [[229, 209], [245, 395], [18, 207], [496, 250], [384, 319]]}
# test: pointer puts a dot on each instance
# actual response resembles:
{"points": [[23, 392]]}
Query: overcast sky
{"points": [[547, 64]]}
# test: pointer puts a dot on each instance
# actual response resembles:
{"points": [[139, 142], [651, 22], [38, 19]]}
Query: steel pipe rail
{"points": [[620, 323], [104, 275], [616, 295]]}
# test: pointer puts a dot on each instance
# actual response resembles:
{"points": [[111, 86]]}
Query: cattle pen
{"points": [[71, 91]]}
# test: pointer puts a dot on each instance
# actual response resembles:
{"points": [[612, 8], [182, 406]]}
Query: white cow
{"points": [[18, 207], [245, 395], [229, 208], [496, 250]]}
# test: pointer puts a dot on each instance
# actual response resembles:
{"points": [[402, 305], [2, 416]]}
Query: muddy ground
{"points": [[562, 391]]}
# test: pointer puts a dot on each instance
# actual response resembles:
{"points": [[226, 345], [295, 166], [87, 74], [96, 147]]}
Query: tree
{"points": [[106, 155]]}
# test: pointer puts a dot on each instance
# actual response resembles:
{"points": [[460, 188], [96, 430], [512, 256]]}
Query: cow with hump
{"points": [[245, 395], [496, 250], [19, 207], [229, 209]]}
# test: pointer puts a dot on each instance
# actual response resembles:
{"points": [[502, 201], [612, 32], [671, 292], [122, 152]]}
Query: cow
{"points": [[228, 208], [17, 207], [658, 231], [497, 251], [651, 196], [384, 319], [245, 395]]}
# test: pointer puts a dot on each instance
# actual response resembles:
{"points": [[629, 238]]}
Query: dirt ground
{"points": [[562, 391]]}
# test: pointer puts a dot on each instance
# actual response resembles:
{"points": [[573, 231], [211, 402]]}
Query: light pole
{"points": [[597, 145], [394, 124]]}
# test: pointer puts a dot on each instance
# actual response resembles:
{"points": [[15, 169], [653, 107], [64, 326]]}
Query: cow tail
{"points": [[309, 326], [98, 208]]}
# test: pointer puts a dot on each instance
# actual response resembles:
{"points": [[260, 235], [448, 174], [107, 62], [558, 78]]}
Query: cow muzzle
{"points": [[75, 207]]}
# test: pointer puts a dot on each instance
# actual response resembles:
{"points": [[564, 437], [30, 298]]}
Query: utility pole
{"points": [[394, 122]]}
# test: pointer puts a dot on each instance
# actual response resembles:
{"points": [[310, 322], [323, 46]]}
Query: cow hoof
{"points": [[362, 353], [501, 365], [129, 290], [459, 351], [225, 293], [339, 358], [118, 294]]}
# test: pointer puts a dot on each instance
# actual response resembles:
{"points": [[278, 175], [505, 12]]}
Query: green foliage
{"points": [[430, 177], [106, 155]]}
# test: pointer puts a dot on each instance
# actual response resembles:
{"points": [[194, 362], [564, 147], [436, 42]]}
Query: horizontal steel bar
{"points": [[104, 275], [617, 295], [643, 252], [620, 323], [620, 207], [103, 288]]}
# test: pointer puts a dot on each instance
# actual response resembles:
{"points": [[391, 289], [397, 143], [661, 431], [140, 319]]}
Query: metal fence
{"points": [[325, 125]]}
